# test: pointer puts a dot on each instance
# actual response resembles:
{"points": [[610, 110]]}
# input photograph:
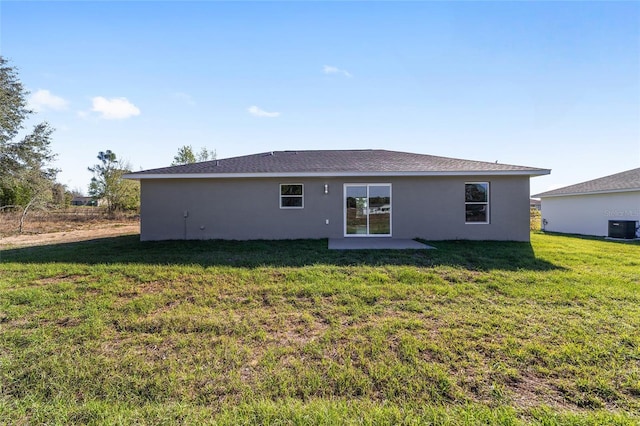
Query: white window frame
{"points": [[290, 196], [344, 210], [486, 203]]}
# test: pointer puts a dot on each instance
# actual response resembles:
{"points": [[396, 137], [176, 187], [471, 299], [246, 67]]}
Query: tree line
{"points": [[27, 175]]}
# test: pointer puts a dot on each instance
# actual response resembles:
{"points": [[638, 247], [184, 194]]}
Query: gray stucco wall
{"points": [[427, 207]]}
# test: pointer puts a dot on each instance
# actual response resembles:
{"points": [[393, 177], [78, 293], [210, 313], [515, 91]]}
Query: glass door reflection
{"points": [[368, 209]]}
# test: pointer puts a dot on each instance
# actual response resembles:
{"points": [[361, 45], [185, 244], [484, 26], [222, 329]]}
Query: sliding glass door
{"points": [[367, 209]]}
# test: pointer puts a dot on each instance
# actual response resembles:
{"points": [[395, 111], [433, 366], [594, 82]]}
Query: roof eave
{"points": [[571, 194], [139, 176]]}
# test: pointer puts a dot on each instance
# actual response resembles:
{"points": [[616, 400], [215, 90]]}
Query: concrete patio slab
{"points": [[370, 243]]}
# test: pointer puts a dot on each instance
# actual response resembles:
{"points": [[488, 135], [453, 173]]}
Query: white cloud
{"points": [[114, 108], [44, 99], [328, 69], [254, 110]]}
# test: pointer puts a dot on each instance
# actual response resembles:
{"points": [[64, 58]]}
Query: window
{"points": [[367, 209], [291, 196], [476, 202]]}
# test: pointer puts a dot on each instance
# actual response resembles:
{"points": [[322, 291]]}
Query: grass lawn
{"points": [[116, 331]]}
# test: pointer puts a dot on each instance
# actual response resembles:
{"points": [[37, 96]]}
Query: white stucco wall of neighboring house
{"points": [[589, 214]]}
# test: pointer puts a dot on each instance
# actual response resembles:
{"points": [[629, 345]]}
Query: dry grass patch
{"points": [[70, 219]]}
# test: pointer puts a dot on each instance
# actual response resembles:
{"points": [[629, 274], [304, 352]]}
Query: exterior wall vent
{"points": [[625, 229]]}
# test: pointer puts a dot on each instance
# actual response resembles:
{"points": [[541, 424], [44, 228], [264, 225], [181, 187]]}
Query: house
{"points": [[79, 200], [336, 194], [535, 204], [588, 207]]}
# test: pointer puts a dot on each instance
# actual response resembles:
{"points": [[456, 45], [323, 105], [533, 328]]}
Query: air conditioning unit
{"points": [[625, 229]]}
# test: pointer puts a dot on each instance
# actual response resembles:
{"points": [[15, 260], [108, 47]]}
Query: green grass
{"points": [[116, 331]]}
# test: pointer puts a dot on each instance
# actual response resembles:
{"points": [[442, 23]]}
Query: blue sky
{"points": [[550, 84]]}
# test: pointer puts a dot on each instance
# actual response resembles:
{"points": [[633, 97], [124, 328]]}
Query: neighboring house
{"points": [[535, 204], [335, 194], [85, 201], [586, 208]]}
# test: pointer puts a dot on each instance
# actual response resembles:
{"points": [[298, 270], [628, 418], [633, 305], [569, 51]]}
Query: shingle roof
{"points": [[334, 162], [620, 182]]}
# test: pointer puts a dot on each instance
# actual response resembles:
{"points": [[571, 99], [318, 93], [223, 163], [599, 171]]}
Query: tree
{"points": [[107, 183], [187, 156], [77, 192], [59, 195], [206, 155], [26, 175]]}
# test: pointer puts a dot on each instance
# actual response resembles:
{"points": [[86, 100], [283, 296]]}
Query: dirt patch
{"points": [[294, 329], [94, 231], [531, 391], [56, 280]]}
